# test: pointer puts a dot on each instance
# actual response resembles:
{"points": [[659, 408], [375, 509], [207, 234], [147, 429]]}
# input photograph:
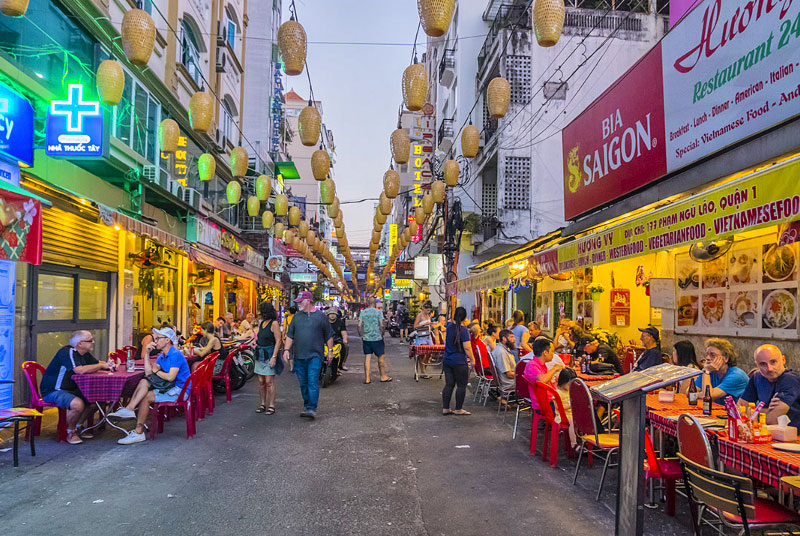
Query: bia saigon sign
{"points": [[74, 126]]}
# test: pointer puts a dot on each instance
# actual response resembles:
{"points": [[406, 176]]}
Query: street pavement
{"points": [[379, 459]]}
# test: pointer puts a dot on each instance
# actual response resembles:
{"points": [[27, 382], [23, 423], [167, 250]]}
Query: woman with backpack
{"points": [[268, 363]]}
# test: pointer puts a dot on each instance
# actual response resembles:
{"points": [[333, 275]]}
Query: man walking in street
{"points": [[309, 334], [371, 328]]}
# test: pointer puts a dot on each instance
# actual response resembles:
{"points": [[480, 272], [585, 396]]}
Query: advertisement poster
{"points": [[562, 305], [620, 307]]}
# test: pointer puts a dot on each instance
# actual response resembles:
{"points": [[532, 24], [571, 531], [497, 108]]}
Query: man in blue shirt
{"points": [[171, 366], [775, 385], [652, 349], [720, 365]]}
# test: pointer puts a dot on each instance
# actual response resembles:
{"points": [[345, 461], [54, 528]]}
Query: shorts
{"points": [[373, 347], [62, 399], [427, 339], [169, 396]]}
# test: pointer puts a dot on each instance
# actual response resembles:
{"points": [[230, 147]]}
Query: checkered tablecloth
{"points": [[594, 379], [759, 461], [663, 415], [421, 350], [107, 386]]}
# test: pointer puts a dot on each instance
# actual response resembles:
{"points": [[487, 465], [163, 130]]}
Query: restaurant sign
{"points": [[497, 278], [726, 72], [759, 200]]}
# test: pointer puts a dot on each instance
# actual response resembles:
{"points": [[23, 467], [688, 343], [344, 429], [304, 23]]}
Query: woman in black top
{"points": [[268, 333]]}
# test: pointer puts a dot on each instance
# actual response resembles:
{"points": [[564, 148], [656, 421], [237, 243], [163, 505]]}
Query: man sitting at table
{"points": [[601, 353], [170, 366], [720, 364], [59, 388], [775, 385], [536, 369], [652, 349], [504, 361], [222, 329]]}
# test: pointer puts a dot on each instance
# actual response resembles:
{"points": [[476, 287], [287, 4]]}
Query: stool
{"points": [[17, 415]]}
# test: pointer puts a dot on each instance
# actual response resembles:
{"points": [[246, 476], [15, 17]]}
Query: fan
{"points": [[709, 251]]}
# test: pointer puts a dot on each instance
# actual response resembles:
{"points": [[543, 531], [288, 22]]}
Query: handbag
{"points": [[602, 369], [157, 383]]}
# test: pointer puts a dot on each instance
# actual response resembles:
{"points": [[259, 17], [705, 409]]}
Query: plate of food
{"points": [[715, 274], [713, 309], [743, 267], [779, 262], [744, 308], [687, 311], [780, 309]]}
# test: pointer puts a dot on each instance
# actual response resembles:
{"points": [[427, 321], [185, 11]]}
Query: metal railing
{"points": [[445, 130], [508, 16], [448, 61]]}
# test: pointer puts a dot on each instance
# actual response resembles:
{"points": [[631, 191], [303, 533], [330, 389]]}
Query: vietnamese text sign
{"points": [[404, 269], [496, 278], [16, 127], [74, 126]]}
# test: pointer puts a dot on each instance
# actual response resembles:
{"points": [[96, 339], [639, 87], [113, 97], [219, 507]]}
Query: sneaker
{"points": [[122, 413], [344, 368], [304, 414], [84, 434], [132, 438], [311, 415]]}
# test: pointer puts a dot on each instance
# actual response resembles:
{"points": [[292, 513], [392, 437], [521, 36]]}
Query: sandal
{"points": [[270, 411], [387, 380], [447, 412], [261, 409], [365, 381], [462, 412]]}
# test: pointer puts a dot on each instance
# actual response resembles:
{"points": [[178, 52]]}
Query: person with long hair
{"points": [[683, 355], [521, 334], [456, 362], [268, 364]]}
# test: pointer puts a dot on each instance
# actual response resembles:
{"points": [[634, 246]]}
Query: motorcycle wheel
{"points": [[328, 375], [249, 364], [238, 378]]}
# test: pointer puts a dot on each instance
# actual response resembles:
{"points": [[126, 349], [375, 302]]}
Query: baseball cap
{"points": [[652, 331], [304, 295], [168, 333], [332, 310], [584, 341]]}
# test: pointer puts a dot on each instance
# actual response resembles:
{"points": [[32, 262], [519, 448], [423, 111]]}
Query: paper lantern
{"points": [[263, 187], [380, 217], [309, 124], [451, 173], [294, 216], [391, 184], [233, 192], [376, 237], [292, 44], [376, 226], [435, 16], [427, 203], [407, 234], [267, 219], [385, 204], [548, 21], [320, 164], [470, 141], [281, 205], [327, 191], [311, 238], [110, 81], [201, 111], [498, 95], [340, 234], [238, 161], [14, 8], [419, 215], [138, 36], [333, 208], [437, 191], [168, 133], [253, 206], [302, 229], [338, 220], [206, 166], [413, 227], [401, 146], [278, 230], [415, 87]]}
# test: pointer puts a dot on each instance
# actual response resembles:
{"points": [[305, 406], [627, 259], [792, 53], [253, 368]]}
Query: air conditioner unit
{"points": [[222, 33], [192, 198], [150, 173], [222, 59], [175, 188]]}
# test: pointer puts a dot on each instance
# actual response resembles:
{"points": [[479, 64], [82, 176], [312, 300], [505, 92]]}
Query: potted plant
{"points": [[596, 289]]}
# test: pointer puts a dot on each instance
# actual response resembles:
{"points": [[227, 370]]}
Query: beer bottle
{"points": [[693, 393], [707, 401]]}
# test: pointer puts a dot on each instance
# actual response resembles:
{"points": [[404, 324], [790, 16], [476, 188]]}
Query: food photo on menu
{"points": [[713, 309], [744, 309], [779, 308], [743, 268], [687, 311], [688, 274], [715, 273], [780, 263]]}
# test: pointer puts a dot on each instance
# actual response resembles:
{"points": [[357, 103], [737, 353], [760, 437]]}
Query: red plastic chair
{"points": [[224, 373], [31, 368], [185, 403], [545, 394], [205, 391], [693, 441], [668, 470]]}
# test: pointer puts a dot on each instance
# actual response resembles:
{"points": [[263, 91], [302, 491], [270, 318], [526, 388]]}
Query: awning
{"points": [[497, 278], [288, 170], [13, 188], [149, 231], [521, 253], [227, 266]]}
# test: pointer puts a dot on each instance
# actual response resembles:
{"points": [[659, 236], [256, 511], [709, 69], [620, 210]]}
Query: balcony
{"points": [[508, 17], [445, 138], [447, 67]]}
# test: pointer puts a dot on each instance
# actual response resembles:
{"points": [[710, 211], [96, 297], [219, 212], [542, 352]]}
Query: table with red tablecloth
{"points": [[594, 379], [106, 386], [664, 415], [423, 350], [424, 357]]}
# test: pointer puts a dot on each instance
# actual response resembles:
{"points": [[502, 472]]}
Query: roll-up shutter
{"points": [[75, 241]]}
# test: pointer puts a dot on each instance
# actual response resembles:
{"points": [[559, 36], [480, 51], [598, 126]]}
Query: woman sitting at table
{"points": [[683, 355], [147, 341], [212, 344], [719, 367]]}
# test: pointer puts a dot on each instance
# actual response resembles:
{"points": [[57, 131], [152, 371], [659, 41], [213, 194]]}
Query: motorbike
{"points": [[330, 371], [394, 327]]}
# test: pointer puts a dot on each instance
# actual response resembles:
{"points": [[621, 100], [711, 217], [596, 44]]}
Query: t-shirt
{"points": [[370, 319], [309, 333], [58, 374], [786, 387], [533, 370], [504, 361], [734, 383], [338, 326], [454, 353], [519, 331], [650, 358], [175, 359]]}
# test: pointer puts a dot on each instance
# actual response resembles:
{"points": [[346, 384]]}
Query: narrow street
{"points": [[379, 459]]}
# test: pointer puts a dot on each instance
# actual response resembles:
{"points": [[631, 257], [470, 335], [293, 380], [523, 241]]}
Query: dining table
{"points": [[105, 386]]}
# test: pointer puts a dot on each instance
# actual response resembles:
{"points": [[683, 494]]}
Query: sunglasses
{"points": [[89, 341]]}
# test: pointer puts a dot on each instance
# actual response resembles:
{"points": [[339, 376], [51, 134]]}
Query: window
{"points": [[517, 176], [136, 119], [227, 121], [190, 54], [518, 72], [232, 34]]}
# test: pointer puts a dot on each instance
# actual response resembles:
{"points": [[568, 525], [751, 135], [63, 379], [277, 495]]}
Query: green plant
{"points": [[596, 288], [472, 223], [609, 338]]}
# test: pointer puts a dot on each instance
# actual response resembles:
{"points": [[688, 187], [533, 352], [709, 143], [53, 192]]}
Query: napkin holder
{"points": [[666, 396], [782, 432]]}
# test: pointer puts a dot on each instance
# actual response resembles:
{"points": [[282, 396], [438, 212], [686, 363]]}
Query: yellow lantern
{"points": [[419, 215], [376, 237], [309, 124], [281, 205], [548, 21], [292, 44], [333, 208], [437, 191], [168, 133], [110, 82], [302, 229], [380, 217], [311, 238], [239, 161], [407, 235], [415, 87], [253, 206], [470, 141], [267, 219], [498, 95], [337, 221], [427, 203], [233, 192], [14, 8], [413, 228], [278, 229], [451, 173], [385, 204], [391, 184], [320, 164], [401, 146], [206, 166], [435, 15], [201, 111], [138, 36], [263, 187], [340, 234], [327, 191], [376, 226], [294, 216]]}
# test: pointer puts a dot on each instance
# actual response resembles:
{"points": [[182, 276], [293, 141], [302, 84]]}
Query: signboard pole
{"points": [[630, 486]]}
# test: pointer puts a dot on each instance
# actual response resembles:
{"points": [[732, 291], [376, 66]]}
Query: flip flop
{"points": [[448, 412], [270, 411], [261, 409], [367, 381], [384, 381], [462, 413]]}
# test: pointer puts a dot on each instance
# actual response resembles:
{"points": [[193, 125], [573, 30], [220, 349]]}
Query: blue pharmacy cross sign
{"points": [[74, 126]]}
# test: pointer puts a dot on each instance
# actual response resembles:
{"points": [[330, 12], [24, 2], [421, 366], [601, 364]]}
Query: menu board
{"points": [[544, 310], [751, 290], [562, 305], [584, 306]]}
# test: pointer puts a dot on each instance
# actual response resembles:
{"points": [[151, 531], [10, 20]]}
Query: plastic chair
{"points": [[693, 441], [583, 419], [159, 413], [522, 391], [199, 393], [207, 388], [545, 395], [482, 387], [668, 470], [224, 373], [733, 500], [31, 368]]}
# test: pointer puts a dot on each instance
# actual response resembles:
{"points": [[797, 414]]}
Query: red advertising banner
{"points": [[20, 228]]}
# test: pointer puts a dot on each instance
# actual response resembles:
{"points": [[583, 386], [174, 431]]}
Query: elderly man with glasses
{"points": [[60, 389]]}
